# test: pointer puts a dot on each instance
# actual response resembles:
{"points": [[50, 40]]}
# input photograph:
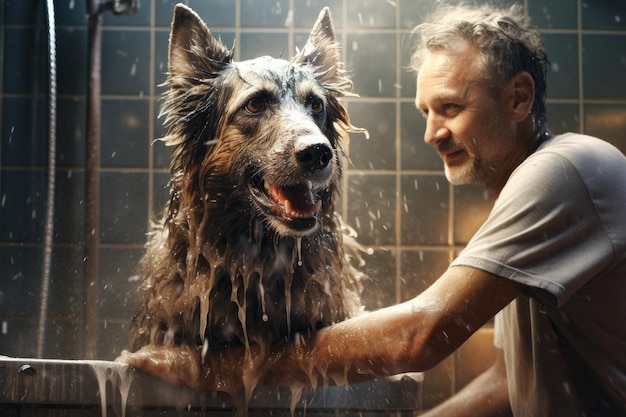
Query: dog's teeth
{"points": [[288, 210], [266, 185]]}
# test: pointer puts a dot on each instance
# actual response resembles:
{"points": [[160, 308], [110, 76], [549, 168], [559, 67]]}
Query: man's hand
{"points": [[184, 365]]}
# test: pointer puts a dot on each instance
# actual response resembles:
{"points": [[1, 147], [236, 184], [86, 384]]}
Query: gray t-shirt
{"points": [[559, 228]]}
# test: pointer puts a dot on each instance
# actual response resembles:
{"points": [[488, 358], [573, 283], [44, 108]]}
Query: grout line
{"points": [[399, 173], [2, 95], [291, 38], [151, 114], [581, 97]]}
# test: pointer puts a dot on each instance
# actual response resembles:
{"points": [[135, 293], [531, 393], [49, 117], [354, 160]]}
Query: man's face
{"points": [[465, 123]]}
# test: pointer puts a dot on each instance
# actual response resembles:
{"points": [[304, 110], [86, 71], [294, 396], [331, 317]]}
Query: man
{"points": [[549, 263], [556, 232]]}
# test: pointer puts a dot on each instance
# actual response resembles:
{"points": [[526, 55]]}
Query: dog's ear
{"points": [[322, 52], [193, 50]]}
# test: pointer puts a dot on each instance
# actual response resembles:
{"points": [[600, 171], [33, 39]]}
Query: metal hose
{"points": [[49, 222]]}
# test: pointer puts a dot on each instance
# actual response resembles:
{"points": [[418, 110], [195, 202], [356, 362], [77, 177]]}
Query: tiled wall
{"points": [[396, 195]]}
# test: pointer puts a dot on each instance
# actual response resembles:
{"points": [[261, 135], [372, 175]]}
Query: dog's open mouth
{"points": [[294, 205], [295, 201]]}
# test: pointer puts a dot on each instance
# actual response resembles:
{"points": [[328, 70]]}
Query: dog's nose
{"points": [[315, 156]]}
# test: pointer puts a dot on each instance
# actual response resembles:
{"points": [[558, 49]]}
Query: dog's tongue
{"points": [[295, 201]]}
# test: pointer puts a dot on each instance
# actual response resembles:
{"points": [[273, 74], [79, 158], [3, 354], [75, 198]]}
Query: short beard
{"points": [[470, 173]]}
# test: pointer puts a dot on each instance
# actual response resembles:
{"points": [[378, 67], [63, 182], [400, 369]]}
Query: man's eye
{"points": [[255, 105], [450, 107]]}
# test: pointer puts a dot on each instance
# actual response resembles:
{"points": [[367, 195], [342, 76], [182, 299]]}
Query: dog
{"points": [[249, 250]]}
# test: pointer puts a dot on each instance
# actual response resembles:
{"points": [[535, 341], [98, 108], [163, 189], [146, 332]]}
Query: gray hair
{"points": [[504, 38]]}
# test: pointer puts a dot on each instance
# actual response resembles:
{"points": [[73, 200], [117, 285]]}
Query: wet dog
{"points": [[249, 251]]}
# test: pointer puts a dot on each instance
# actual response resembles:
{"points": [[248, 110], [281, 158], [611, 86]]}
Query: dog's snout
{"points": [[314, 156]]}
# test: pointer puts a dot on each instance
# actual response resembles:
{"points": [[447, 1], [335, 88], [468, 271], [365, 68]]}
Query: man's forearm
{"points": [[380, 343]]}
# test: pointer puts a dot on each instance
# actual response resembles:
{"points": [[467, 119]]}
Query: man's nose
{"points": [[435, 131]]}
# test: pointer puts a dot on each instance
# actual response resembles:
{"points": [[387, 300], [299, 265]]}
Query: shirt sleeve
{"points": [[543, 231]]}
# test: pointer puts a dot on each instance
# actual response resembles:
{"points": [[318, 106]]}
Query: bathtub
{"points": [[42, 387]]}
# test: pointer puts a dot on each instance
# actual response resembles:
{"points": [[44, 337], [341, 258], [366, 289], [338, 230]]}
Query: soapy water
{"points": [[119, 375]]}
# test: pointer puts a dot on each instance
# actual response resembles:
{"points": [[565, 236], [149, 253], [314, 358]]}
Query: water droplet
{"points": [[299, 249], [289, 19]]}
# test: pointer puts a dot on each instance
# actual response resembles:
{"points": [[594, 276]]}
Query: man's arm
{"points": [[409, 337], [486, 396]]}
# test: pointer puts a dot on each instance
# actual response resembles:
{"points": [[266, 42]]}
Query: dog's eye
{"points": [[255, 105], [317, 105]]}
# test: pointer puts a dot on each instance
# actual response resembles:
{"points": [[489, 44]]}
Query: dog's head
{"points": [[265, 133]]}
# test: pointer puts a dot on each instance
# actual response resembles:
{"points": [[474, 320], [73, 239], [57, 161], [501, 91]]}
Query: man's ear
{"points": [[523, 95]]}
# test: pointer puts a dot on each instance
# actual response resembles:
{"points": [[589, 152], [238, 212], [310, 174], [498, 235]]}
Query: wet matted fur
{"points": [[249, 249]]}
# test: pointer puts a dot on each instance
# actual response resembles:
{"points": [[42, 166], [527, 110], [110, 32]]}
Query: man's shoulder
{"points": [[572, 145], [568, 169], [587, 155]]}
